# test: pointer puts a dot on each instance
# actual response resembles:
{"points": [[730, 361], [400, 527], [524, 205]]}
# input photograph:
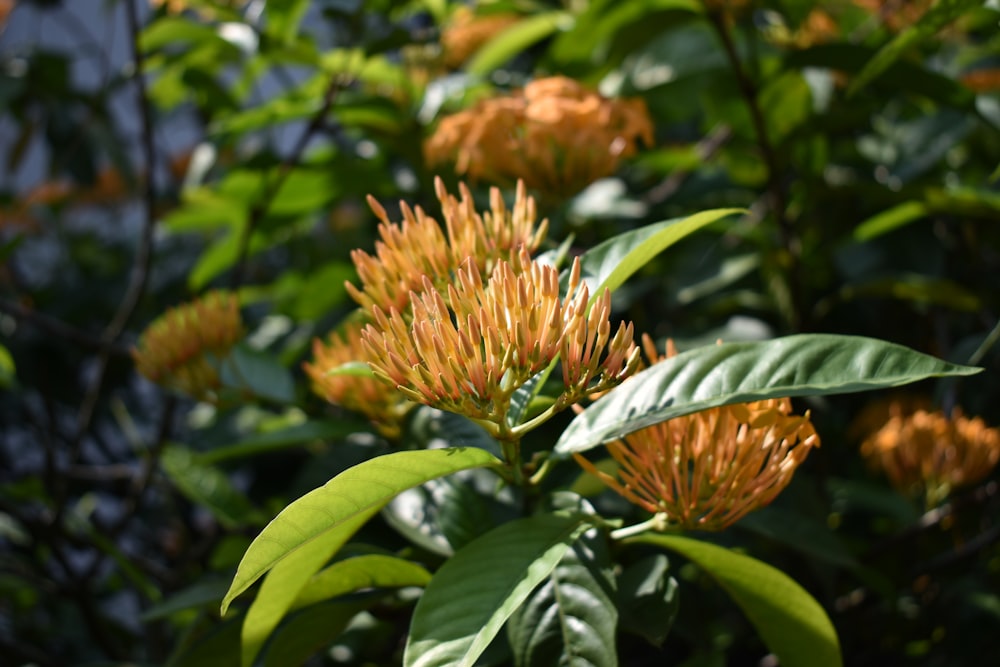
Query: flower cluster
{"points": [[926, 452], [419, 247], [178, 348], [381, 403], [467, 350], [554, 134], [706, 470]]}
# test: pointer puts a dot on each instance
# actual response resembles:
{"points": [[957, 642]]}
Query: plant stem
{"points": [[657, 523]]}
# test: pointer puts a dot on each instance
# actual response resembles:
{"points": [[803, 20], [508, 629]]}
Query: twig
{"points": [[260, 209], [144, 253], [775, 189], [55, 327]]}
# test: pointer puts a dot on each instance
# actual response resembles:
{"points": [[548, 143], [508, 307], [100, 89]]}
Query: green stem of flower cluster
{"points": [[657, 523]]}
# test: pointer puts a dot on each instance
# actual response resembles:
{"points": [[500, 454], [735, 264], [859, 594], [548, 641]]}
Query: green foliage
{"points": [[821, 194]]}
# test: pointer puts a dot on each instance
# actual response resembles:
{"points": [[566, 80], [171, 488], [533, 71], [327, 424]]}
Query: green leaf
{"points": [[477, 590], [360, 572], [310, 630], [786, 103], [647, 597], [571, 619], [800, 532], [254, 371], [886, 221], [791, 623], [611, 263], [202, 593], [281, 439], [309, 531], [8, 372], [516, 39], [714, 375], [938, 16], [219, 647], [209, 487]]}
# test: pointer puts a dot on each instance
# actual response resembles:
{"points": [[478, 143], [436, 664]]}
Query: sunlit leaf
{"points": [[886, 221], [714, 375], [791, 623], [310, 530], [476, 591], [611, 263], [359, 573]]}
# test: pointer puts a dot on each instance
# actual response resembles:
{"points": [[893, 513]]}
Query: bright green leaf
{"points": [[714, 375], [614, 261], [361, 572], [791, 623], [516, 39], [8, 372], [477, 590], [886, 221], [309, 531]]}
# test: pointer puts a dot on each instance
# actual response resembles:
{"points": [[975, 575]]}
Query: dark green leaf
{"points": [[209, 487], [571, 619], [201, 594], [791, 623], [647, 597], [256, 372], [477, 590], [801, 533], [281, 439], [311, 630], [938, 16], [710, 376]]}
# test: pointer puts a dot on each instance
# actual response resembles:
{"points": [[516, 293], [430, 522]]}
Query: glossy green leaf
{"points": [[938, 16], [791, 623], [515, 39], [648, 599], [361, 572], [298, 541], [477, 590], [611, 263], [714, 375], [571, 619], [886, 221], [209, 487]]}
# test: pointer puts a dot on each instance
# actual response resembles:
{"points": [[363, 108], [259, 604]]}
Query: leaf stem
{"points": [[657, 523]]}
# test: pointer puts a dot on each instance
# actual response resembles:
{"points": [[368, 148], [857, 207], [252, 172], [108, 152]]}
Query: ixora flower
{"points": [[468, 350], [382, 404], [175, 349], [707, 470], [420, 247], [924, 451], [554, 134]]}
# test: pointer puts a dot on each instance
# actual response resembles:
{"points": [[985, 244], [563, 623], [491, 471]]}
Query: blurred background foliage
{"points": [[863, 137]]}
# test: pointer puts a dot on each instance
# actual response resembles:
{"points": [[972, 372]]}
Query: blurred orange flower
{"points": [[554, 134], [382, 404], [176, 348], [419, 248], [707, 470], [926, 452]]}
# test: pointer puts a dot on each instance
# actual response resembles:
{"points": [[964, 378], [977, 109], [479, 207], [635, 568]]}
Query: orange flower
{"points": [[925, 452], [382, 404], [468, 353], [420, 248], [707, 470], [176, 349], [466, 33], [554, 134]]}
